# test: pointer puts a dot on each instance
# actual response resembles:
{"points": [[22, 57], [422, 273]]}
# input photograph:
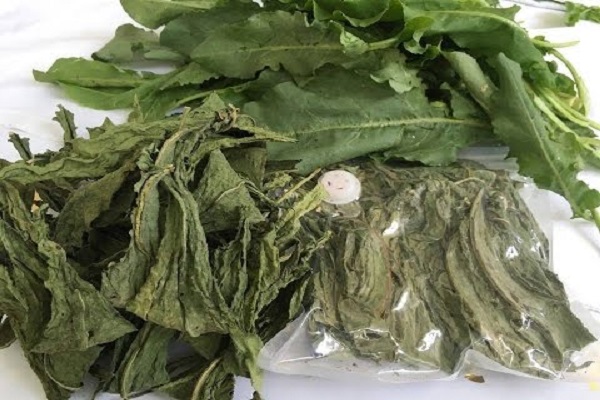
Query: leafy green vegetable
{"points": [[331, 125], [91, 74], [298, 48], [154, 13], [132, 44], [553, 159], [186, 32]]}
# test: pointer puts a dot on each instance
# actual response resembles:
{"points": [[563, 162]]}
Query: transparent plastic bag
{"points": [[430, 273]]}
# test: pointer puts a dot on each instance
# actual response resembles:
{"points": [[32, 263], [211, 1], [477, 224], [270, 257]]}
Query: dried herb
{"points": [[437, 261], [109, 258]]}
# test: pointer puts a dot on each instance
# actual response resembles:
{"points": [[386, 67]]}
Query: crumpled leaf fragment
{"points": [[66, 119], [7, 334], [223, 197], [79, 317], [144, 365]]}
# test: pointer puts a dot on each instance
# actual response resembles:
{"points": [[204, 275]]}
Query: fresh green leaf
{"points": [[550, 156], [331, 124], [579, 12], [132, 44], [298, 48], [154, 13], [358, 13], [156, 95], [189, 30], [91, 74], [553, 159], [394, 71], [191, 74], [485, 32]]}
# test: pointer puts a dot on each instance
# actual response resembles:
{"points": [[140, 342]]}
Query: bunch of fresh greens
{"points": [[396, 79], [156, 256]]}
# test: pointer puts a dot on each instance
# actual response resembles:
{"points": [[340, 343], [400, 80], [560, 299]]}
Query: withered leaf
{"points": [[21, 144], [223, 197], [66, 119], [7, 335]]}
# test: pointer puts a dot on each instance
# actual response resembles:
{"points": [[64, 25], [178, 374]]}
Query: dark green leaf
{"points": [[551, 157], [189, 30], [331, 124], [249, 162], [90, 74], [154, 13], [207, 345], [68, 369], [61, 374], [298, 48]]}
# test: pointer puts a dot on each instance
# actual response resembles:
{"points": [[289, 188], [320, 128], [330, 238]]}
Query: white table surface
{"points": [[33, 33]]}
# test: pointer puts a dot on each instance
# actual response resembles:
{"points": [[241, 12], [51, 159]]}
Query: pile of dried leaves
{"points": [[437, 261], [150, 237]]}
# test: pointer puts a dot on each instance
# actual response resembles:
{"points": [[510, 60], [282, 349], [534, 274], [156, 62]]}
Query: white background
{"points": [[33, 33]]}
